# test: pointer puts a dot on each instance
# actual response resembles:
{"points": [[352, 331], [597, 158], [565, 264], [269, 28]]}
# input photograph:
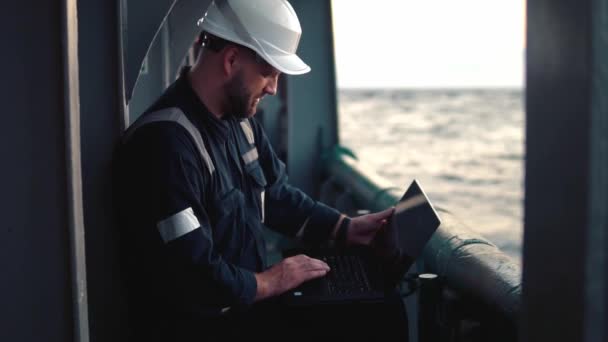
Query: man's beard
{"points": [[238, 98]]}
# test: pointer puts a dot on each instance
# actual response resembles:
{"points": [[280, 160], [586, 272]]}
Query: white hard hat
{"points": [[269, 27]]}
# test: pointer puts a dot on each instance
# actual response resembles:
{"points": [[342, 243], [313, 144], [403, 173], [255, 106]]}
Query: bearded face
{"points": [[240, 101]]}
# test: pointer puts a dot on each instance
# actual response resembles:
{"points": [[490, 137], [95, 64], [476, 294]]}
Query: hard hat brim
{"points": [[288, 64]]}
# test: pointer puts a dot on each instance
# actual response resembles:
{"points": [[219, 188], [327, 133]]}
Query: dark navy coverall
{"points": [[181, 279]]}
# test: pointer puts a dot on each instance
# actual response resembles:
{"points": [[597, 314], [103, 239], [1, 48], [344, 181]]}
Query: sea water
{"points": [[465, 146]]}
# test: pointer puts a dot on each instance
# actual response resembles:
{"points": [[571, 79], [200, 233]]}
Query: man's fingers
{"points": [[383, 215], [318, 264], [308, 263], [316, 274], [316, 267]]}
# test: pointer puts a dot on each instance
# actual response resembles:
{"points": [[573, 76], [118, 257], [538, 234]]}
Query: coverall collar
{"points": [[220, 128]]}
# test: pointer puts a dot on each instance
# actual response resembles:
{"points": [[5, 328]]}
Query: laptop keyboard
{"points": [[347, 275]]}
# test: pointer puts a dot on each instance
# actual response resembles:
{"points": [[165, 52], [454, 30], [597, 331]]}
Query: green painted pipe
{"points": [[369, 189], [468, 262]]}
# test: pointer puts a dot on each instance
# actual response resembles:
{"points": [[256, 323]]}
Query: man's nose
{"points": [[271, 85]]}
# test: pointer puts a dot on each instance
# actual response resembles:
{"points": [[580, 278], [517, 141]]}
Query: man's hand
{"points": [[288, 274], [363, 229]]}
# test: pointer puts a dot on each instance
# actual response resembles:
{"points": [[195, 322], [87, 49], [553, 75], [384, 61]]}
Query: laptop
{"points": [[366, 274]]}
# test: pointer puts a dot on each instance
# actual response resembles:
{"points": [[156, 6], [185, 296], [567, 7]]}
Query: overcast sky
{"points": [[429, 43]]}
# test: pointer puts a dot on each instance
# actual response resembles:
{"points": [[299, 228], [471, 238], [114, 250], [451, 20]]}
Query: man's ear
{"points": [[229, 59]]}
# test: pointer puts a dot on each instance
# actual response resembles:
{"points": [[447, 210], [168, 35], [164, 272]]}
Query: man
{"points": [[197, 179]]}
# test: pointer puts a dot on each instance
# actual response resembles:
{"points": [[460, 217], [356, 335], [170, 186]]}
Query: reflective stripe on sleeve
{"points": [[178, 225]]}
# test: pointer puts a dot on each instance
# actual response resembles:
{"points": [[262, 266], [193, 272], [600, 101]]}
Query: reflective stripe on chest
{"points": [[252, 155]]}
